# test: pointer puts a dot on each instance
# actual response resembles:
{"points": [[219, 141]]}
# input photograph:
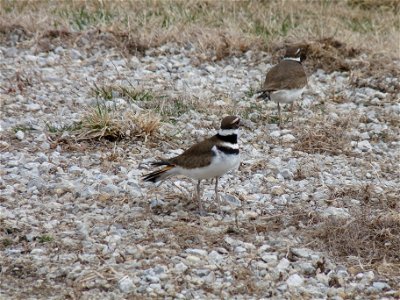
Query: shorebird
{"points": [[210, 158], [286, 81]]}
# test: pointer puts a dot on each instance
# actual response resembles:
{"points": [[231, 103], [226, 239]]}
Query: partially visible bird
{"points": [[210, 158], [286, 81]]}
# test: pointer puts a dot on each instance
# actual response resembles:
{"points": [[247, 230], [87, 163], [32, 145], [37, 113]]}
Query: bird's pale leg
{"points": [[279, 114], [217, 198], [199, 198], [291, 112]]}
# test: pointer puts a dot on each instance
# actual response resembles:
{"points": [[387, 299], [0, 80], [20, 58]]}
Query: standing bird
{"points": [[210, 158], [286, 81]]}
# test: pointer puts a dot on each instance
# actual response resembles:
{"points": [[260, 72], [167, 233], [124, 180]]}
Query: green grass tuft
{"points": [[45, 239], [129, 93]]}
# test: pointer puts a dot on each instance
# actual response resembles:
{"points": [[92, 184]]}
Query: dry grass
{"points": [[371, 236], [220, 26], [374, 239], [373, 73], [324, 135], [367, 195], [360, 36], [330, 55], [106, 122], [101, 122]]}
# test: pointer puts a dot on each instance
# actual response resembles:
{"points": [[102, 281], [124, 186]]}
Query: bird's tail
{"points": [[263, 95], [160, 174]]}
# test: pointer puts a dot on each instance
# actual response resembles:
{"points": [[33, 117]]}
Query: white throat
{"points": [[292, 58], [225, 132]]}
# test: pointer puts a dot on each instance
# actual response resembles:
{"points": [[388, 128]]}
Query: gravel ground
{"points": [[78, 222]]}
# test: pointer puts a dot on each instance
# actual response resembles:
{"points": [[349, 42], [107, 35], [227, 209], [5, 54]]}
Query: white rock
{"points": [[210, 69], [220, 103], [381, 285], [286, 173], [275, 134], [181, 267], [112, 239], [33, 107], [75, 54], [295, 280], [264, 248], [156, 203], [283, 265], [231, 199], [303, 252], [20, 135], [192, 259], [281, 200], [215, 257], [31, 58], [240, 249], [339, 212], [323, 278], [125, 284], [37, 251], [269, 258], [199, 252], [59, 50], [287, 138], [364, 146]]}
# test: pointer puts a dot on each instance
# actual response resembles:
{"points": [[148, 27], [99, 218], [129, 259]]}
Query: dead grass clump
{"points": [[101, 122], [374, 239], [372, 4], [51, 39], [378, 72], [369, 195], [323, 135], [106, 122], [330, 55], [12, 34]]}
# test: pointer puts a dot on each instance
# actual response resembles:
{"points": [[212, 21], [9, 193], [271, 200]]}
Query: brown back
{"points": [[198, 155], [288, 74]]}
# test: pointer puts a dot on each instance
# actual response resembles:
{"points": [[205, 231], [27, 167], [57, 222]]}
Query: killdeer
{"points": [[210, 158], [286, 81]]}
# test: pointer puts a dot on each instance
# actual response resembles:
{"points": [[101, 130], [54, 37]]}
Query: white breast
{"points": [[286, 96], [220, 164]]}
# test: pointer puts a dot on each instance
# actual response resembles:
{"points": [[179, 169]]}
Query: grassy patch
{"points": [[216, 27], [251, 92], [22, 127], [45, 239], [6, 242], [175, 107], [60, 128], [83, 17], [130, 93], [108, 120], [323, 135], [373, 238], [369, 235], [103, 122]]}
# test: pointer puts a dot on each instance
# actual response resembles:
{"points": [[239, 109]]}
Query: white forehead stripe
{"points": [[292, 58], [225, 132], [228, 145], [236, 119]]}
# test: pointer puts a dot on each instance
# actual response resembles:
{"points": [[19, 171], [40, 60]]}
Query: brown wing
{"points": [[287, 74], [198, 155]]}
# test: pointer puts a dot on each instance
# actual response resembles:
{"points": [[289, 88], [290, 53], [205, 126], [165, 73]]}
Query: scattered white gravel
{"points": [[78, 222]]}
